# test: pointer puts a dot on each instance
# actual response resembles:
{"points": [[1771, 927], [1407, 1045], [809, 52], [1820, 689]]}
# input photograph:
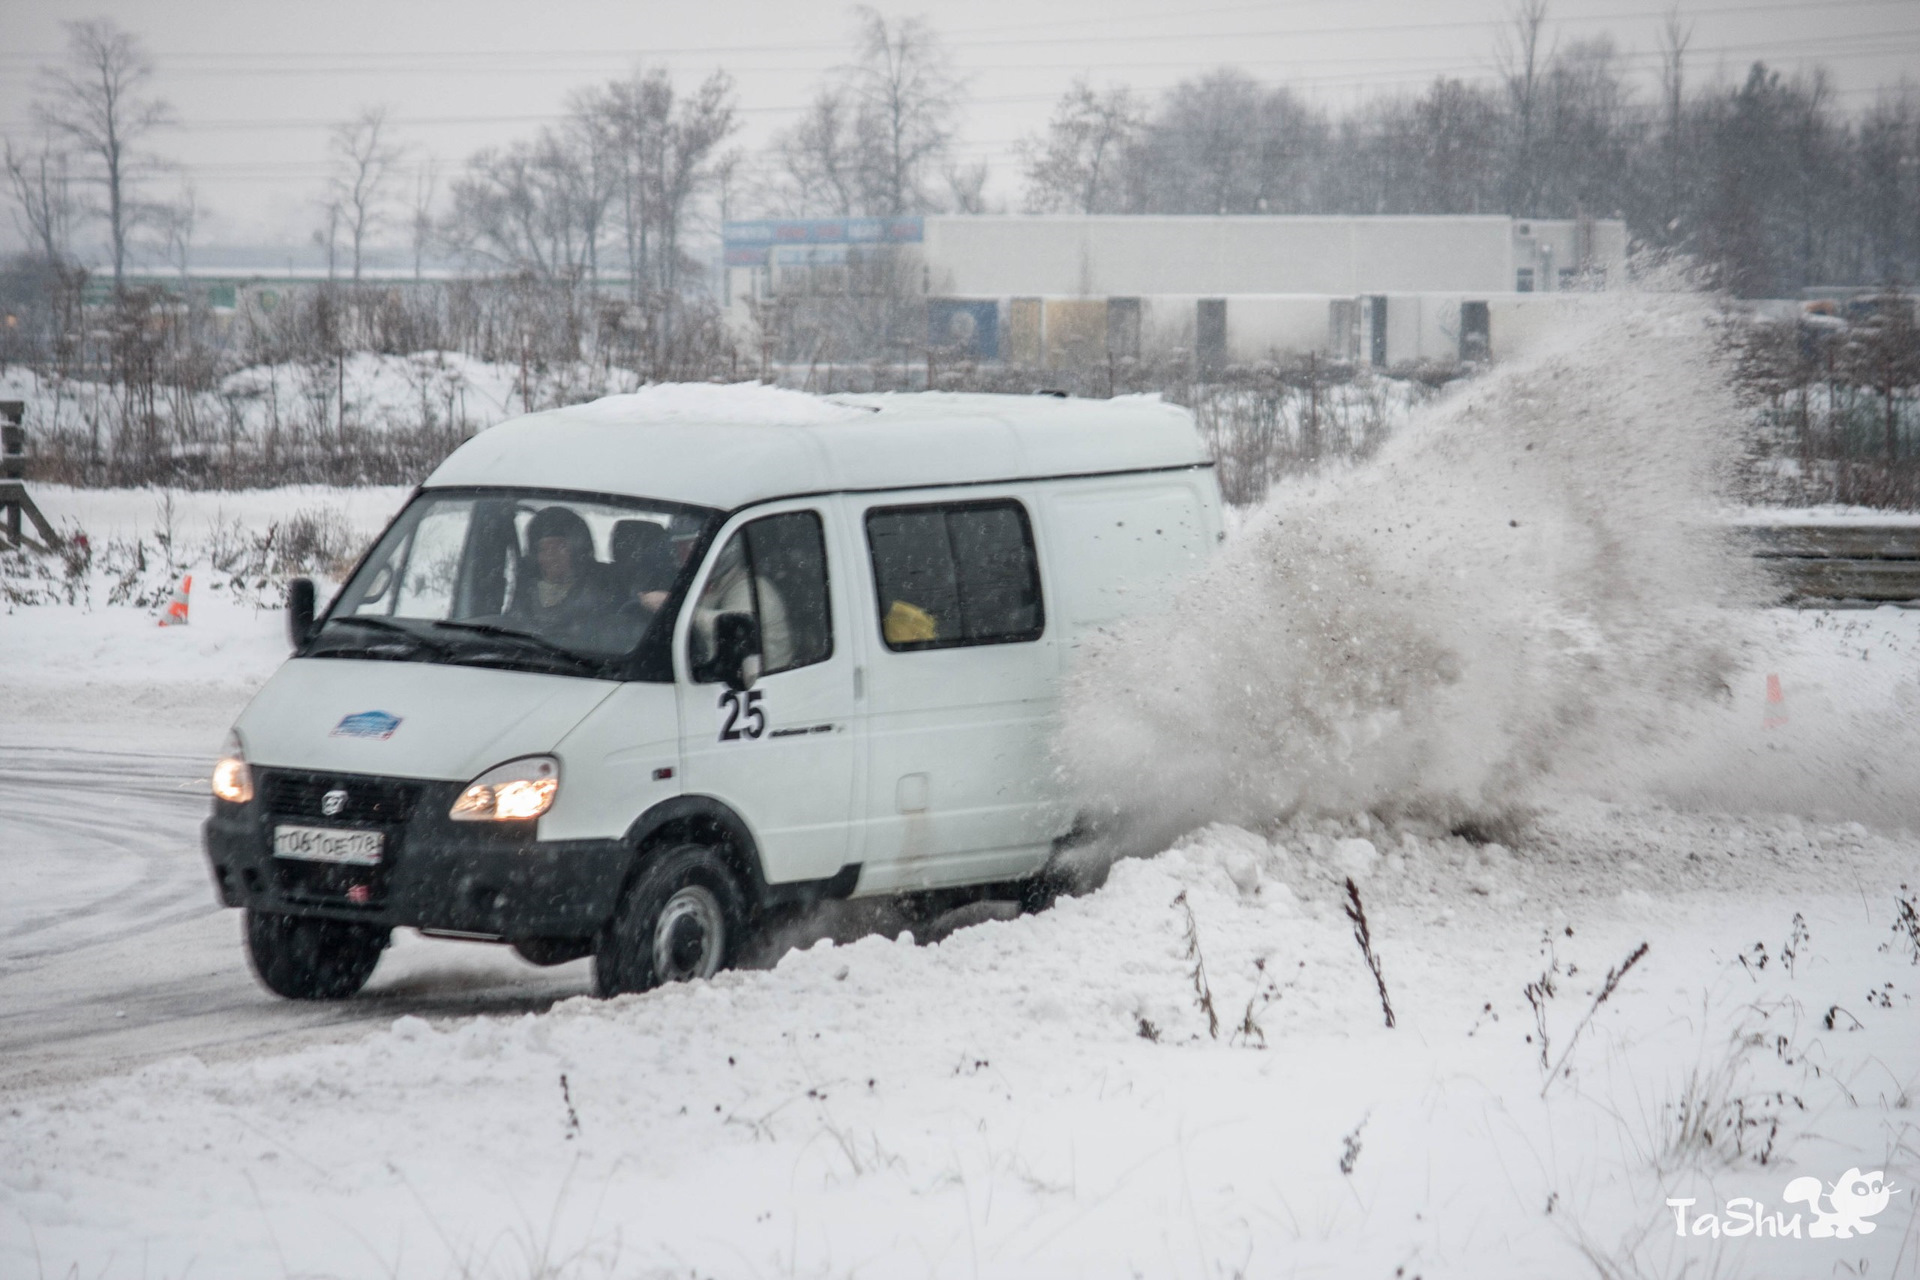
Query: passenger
{"points": [[731, 589], [557, 594], [644, 566]]}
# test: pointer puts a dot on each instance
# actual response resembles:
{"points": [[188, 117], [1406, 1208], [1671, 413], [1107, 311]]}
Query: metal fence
{"points": [[1867, 564]]}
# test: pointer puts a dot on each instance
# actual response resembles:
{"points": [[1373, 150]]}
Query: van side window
{"points": [[774, 570], [955, 574]]}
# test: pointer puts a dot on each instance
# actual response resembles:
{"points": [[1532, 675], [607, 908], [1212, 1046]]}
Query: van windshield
{"points": [[527, 579]]}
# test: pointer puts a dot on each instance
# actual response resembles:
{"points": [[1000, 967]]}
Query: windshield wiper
{"points": [[385, 624], [492, 629]]}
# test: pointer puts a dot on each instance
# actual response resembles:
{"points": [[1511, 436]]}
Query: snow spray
{"points": [[1527, 587]]}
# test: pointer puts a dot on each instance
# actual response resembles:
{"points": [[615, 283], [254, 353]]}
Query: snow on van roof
{"points": [[729, 446]]}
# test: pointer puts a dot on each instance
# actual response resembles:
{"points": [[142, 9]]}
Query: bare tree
{"points": [[537, 206], [327, 236], [593, 175], [43, 199], [662, 153], [1076, 166], [817, 161], [1883, 353], [426, 185], [177, 219], [1457, 127], [703, 120], [99, 102], [1675, 36], [1523, 63], [633, 114], [1586, 130], [967, 187], [1889, 201], [364, 160], [514, 209], [1203, 146], [905, 99]]}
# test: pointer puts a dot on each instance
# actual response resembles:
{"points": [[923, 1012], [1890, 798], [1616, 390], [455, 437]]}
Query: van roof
{"points": [[731, 446]]}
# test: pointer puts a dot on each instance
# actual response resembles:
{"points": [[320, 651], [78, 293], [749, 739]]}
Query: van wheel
{"points": [[309, 958], [683, 918]]}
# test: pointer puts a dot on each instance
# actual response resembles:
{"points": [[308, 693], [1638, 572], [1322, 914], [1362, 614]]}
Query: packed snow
{"points": [[1046, 1097], [1497, 702]]}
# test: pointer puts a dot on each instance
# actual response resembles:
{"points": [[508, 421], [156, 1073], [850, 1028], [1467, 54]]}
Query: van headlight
{"points": [[510, 792], [232, 781]]}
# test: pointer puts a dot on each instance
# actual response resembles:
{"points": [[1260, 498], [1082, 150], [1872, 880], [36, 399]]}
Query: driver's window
{"points": [[774, 570]]}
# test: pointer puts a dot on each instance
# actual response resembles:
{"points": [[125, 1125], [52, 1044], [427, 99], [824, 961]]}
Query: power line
{"points": [[387, 61], [1831, 48]]}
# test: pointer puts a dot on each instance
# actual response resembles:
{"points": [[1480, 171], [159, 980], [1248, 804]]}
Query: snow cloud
{"points": [[1527, 588]]}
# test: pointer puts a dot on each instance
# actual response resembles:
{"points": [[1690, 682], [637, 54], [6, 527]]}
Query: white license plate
{"points": [[327, 844]]}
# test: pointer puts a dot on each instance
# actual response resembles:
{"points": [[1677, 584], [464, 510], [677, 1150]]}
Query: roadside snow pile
{"points": [[426, 391], [133, 546], [1188, 1073], [79, 642], [1515, 591]]}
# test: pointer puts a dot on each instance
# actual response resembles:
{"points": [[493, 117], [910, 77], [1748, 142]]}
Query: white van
{"points": [[625, 679]]}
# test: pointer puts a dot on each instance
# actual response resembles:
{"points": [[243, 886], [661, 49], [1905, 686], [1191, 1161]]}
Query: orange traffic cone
{"points": [[176, 614], [1776, 714]]}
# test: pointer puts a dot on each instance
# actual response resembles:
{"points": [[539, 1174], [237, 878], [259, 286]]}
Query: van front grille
{"points": [[369, 801], [300, 797]]}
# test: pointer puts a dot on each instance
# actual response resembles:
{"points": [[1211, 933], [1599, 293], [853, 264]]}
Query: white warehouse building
{"points": [[1052, 290]]}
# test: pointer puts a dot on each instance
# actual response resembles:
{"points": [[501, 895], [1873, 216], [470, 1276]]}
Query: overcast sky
{"points": [[256, 83]]}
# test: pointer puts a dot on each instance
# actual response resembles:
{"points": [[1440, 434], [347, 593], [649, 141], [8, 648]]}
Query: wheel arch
{"points": [[699, 819]]}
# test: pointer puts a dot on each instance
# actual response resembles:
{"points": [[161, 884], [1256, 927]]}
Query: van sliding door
{"points": [[959, 688]]}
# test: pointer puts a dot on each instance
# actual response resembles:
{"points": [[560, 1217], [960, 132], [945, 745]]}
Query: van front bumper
{"points": [[493, 879]]}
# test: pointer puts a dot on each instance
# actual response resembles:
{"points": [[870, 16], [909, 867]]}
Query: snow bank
{"points": [[1045, 1097], [80, 645], [294, 399]]}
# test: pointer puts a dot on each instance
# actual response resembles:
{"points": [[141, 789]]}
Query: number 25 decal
{"points": [[745, 717]]}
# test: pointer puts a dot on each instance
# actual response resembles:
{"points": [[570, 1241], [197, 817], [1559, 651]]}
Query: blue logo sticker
{"points": [[367, 724]]}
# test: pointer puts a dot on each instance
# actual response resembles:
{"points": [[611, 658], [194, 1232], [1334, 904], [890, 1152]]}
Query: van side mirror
{"points": [[736, 650], [300, 612]]}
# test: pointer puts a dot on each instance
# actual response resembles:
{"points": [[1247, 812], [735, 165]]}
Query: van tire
{"points": [[683, 917], [311, 958]]}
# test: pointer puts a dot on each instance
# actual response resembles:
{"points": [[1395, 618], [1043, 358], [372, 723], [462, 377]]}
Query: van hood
{"points": [[410, 719]]}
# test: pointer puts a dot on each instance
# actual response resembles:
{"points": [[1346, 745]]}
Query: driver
{"points": [[560, 595]]}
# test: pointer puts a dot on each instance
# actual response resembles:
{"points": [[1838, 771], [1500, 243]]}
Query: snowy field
{"points": [[1638, 872]]}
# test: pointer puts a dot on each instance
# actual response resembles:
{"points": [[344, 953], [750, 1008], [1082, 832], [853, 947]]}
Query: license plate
{"points": [[327, 844]]}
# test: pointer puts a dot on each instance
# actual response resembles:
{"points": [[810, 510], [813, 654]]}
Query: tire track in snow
{"points": [[114, 951], [108, 839]]}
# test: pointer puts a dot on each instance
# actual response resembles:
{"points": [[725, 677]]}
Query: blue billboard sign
{"points": [[747, 242], [967, 327]]}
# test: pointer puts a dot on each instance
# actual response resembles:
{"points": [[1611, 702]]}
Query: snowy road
{"points": [[113, 952]]}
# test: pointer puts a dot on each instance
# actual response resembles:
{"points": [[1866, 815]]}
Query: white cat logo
{"points": [[1855, 1198]]}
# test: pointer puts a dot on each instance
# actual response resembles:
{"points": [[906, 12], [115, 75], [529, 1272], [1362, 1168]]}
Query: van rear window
{"points": [[955, 574]]}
